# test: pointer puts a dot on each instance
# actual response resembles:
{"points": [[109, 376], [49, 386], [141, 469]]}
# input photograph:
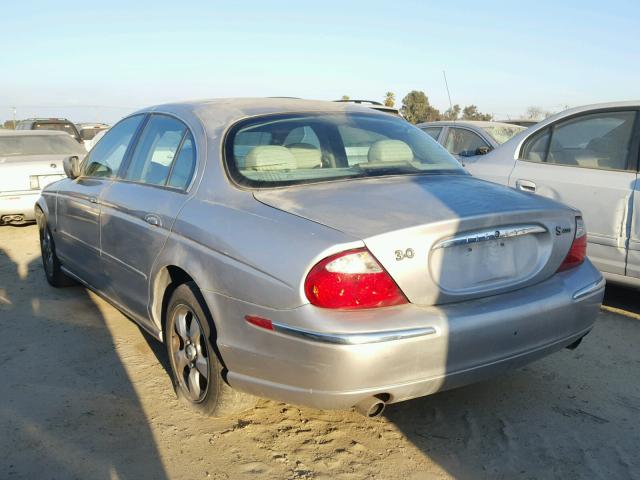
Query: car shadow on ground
{"points": [[573, 414], [67, 406]]}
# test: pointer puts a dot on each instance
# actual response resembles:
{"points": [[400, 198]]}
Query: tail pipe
{"points": [[370, 407]]}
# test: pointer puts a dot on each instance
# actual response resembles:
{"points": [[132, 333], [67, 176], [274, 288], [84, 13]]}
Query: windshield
{"points": [[39, 145], [291, 149], [502, 133]]}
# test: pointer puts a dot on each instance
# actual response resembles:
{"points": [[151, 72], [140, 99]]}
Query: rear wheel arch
{"points": [[166, 281]]}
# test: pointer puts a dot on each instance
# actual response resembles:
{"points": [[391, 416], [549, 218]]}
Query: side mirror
{"points": [[482, 150], [71, 167]]}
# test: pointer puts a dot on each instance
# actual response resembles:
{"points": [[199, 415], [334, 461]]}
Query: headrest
{"points": [[307, 155], [390, 151], [270, 157]]}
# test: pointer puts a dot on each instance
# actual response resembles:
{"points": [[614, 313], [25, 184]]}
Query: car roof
{"points": [[472, 123], [46, 119], [226, 110], [31, 133], [587, 108]]}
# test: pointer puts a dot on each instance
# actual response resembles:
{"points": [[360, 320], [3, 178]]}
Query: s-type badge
{"points": [[560, 230]]}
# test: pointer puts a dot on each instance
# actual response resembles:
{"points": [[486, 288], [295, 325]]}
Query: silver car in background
{"points": [[586, 157], [29, 161], [318, 253], [468, 138]]}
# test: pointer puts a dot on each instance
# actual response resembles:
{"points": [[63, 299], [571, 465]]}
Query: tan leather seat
{"points": [[390, 151], [307, 155], [270, 157]]}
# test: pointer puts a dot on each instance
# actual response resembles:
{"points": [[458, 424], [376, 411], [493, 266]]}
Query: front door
{"points": [[587, 162], [78, 203]]}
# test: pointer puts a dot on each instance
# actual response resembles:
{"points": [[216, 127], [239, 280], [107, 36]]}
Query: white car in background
{"points": [[586, 157], [29, 161], [89, 131], [89, 144]]}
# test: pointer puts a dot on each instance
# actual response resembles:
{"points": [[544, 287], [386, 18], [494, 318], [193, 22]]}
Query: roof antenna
{"points": [[446, 84]]}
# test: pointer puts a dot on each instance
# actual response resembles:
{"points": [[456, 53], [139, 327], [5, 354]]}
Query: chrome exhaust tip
{"points": [[370, 407]]}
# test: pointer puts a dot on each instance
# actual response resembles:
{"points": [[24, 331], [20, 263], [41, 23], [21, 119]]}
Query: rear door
{"points": [[138, 210], [78, 206], [587, 161]]}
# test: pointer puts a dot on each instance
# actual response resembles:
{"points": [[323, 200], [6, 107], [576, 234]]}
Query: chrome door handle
{"points": [[526, 185], [93, 199], [153, 220]]}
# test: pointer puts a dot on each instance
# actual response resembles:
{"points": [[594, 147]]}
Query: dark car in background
{"points": [[59, 124]]}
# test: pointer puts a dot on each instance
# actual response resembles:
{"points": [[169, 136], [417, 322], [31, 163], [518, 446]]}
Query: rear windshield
{"points": [[502, 133], [39, 145], [290, 149], [60, 127], [89, 133]]}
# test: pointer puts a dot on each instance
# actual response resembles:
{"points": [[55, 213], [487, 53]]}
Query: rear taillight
{"points": [[578, 250], [351, 279]]}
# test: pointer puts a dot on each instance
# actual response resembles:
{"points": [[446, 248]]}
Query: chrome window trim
{"points": [[489, 234]]}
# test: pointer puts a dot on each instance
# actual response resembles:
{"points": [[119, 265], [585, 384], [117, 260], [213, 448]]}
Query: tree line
{"points": [[416, 109]]}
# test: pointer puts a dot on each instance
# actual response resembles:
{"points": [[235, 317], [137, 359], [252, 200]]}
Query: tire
{"points": [[195, 363], [50, 262]]}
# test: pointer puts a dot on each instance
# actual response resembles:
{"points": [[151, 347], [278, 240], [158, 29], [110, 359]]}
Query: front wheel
{"points": [[197, 370], [50, 262]]}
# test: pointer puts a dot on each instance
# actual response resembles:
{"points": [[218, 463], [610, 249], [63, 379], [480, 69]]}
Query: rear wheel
{"points": [[197, 370], [50, 262]]}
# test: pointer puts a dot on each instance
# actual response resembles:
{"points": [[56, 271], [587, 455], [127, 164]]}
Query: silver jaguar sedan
{"points": [[316, 253]]}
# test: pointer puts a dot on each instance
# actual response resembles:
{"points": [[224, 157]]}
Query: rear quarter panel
{"points": [[250, 251]]}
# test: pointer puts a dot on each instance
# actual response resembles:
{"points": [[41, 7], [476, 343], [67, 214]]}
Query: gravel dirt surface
{"points": [[85, 394]]}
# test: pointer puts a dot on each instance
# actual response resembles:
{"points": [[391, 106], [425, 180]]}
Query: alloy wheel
{"points": [[189, 353], [47, 251]]}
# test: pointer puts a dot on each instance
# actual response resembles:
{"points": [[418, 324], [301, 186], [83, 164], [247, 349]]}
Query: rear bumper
{"points": [[19, 203], [445, 347]]}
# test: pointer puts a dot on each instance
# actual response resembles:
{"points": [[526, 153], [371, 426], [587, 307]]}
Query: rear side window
{"points": [[153, 156], [105, 158], [598, 140], [184, 165], [433, 131]]}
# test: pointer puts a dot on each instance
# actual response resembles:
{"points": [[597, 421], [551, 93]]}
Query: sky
{"points": [[99, 60]]}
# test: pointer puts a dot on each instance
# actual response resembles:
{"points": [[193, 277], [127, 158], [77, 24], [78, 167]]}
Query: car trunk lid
{"points": [[443, 238], [29, 172]]}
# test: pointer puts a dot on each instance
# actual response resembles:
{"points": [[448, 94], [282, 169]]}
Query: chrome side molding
{"points": [[488, 235], [353, 338]]}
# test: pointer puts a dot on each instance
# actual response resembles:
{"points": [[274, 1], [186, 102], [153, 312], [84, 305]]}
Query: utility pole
{"points": [[14, 118]]}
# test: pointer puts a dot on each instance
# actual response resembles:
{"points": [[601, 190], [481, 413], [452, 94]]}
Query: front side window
{"points": [[463, 142], [289, 149], [153, 156], [105, 158]]}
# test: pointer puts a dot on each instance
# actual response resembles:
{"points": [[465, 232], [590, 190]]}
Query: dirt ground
{"points": [[85, 394]]}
